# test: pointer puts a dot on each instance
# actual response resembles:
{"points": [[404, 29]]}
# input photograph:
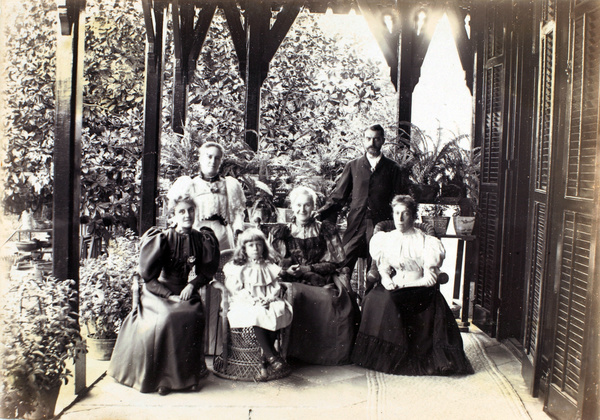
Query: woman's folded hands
{"points": [[187, 291]]}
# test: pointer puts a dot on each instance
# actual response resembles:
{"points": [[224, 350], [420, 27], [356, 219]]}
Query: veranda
{"points": [[552, 327]]}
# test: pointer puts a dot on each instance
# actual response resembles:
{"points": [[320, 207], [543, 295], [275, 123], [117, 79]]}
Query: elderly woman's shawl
{"points": [[325, 318]]}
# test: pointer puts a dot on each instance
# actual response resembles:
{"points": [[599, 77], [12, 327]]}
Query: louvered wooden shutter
{"points": [[492, 169], [575, 345], [537, 230]]}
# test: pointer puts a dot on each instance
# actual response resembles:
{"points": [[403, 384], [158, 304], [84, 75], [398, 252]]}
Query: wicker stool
{"points": [[244, 361]]}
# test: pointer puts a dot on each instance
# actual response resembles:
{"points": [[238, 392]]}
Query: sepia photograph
{"points": [[300, 209]]}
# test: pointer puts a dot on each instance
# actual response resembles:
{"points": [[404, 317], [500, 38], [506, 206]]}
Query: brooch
{"points": [[214, 188], [191, 259]]}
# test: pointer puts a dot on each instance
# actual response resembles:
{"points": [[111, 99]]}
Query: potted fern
{"points": [[441, 169], [39, 335]]}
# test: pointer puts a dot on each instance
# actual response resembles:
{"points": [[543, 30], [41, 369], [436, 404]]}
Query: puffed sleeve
{"points": [[233, 278], [153, 247], [207, 256], [433, 257], [236, 203], [378, 245]]}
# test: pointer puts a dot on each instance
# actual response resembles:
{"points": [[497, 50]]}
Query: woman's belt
{"points": [[218, 218]]}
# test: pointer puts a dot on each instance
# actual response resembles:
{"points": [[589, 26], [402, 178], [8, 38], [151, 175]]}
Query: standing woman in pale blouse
{"points": [[220, 201], [407, 327]]}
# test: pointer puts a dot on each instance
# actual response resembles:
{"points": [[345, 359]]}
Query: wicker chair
{"points": [[241, 357], [373, 276]]}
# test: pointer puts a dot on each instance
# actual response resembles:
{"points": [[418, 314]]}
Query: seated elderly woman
{"points": [[325, 314], [407, 327]]}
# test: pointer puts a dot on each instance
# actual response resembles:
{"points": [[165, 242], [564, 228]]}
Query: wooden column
{"points": [[387, 39], [405, 85], [464, 45], [258, 16], [256, 42], [155, 26], [67, 152], [403, 48], [188, 40], [183, 23], [238, 33]]}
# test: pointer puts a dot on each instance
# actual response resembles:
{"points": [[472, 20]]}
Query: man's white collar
{"points": [[373, 161]]}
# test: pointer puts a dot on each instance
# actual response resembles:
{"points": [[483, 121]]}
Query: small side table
{"points": [[463, 325]]}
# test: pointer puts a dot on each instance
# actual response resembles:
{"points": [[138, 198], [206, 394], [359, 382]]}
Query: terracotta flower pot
{"points": [[100, 348], [46, 403], [27, 246]]}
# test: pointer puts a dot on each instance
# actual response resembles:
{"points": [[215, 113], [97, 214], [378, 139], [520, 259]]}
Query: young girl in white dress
{"points": [[252, 280]]}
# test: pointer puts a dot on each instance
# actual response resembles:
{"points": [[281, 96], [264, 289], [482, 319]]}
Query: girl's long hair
{"points": [[252, 234]]}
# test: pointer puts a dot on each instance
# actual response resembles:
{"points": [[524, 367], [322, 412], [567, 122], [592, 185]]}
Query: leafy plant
{"points": [[469, 172], [113, 120], [434, 210], [179, 155], [39, 335], [442, 163], [29, 108], [112, 109], [105, 287], [109, 175]]}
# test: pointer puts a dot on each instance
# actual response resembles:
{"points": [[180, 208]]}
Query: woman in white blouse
{"points": [[407, 327], [220, 201]]}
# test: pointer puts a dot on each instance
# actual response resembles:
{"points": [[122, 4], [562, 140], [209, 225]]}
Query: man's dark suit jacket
{"points": [[370, 192]]}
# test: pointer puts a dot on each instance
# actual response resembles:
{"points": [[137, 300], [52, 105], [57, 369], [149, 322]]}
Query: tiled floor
{"points": [[311, 392]]}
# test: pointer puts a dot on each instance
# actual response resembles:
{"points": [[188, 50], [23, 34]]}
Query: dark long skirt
{"points": [[160, 344], [324, 325], [409, 331]]}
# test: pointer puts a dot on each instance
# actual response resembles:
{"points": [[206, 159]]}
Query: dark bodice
{"points": [[304, 250], [317, 245], [167, 258]]}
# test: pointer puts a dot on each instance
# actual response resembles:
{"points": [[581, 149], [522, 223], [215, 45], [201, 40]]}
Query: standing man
{"points": [[369, 182], [220, 201]]}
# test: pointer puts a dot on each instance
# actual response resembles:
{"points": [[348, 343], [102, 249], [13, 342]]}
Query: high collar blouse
{"points": [[415, 256]]}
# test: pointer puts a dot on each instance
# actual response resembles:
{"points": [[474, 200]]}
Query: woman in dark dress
{"points": [[407, 327], [160, 346], [325, 314]]}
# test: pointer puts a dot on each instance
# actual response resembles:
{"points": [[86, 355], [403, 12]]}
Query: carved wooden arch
{"points": [[256, 41]]}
